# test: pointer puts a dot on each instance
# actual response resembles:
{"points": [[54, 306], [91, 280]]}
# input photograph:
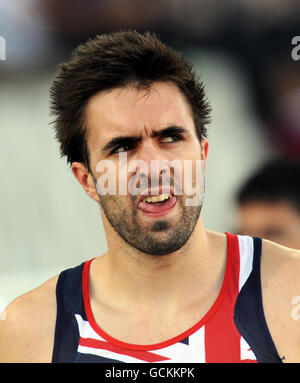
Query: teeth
{"points": [[158, 198]]}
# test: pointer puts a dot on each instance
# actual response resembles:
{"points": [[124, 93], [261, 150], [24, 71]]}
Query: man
{"points": [[167, 290], [269, 203]]}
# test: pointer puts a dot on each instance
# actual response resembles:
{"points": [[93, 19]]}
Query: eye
{"points": [[171, 138], [123, 148]]}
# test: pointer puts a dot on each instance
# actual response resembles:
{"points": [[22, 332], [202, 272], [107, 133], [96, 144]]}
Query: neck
{"points": [[194, 271]]}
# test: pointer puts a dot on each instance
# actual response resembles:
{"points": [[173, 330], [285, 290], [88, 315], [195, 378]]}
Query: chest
{"points": [[201, 335], [145, 327]]}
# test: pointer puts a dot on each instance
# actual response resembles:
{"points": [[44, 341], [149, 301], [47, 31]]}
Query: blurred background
{"points": [[241, 49]]}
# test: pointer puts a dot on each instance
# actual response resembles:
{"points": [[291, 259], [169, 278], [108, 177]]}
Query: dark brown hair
{"points": [[111, 61]]}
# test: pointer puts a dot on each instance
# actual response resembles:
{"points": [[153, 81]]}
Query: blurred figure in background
{"points": [[269, 203]]}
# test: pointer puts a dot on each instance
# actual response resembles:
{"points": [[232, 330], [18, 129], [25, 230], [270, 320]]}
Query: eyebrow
{"points": [[127, 140]]}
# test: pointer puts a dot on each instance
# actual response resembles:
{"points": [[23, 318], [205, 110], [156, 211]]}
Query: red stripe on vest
{"points": [[222, 339]]}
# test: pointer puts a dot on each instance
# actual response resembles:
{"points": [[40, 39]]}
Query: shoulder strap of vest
{"points": [[69, 300], [249, 315]]}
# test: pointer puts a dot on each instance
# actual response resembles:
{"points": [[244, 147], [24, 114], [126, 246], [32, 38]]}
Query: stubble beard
{"points": [[160, 238]]}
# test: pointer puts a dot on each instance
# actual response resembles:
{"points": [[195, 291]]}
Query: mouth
{"points": [[157, 204]]}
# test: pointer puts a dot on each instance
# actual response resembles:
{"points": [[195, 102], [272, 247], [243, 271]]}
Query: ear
{"points": [[204, 151], [85, 178]]}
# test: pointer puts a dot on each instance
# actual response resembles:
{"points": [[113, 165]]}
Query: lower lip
{"points": [[153, 210]]}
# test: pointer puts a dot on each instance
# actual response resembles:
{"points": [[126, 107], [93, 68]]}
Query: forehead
{"points": [[130, 110]]}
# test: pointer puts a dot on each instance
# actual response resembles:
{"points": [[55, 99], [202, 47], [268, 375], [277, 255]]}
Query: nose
{"points": [[149, 152], [148, 165]]}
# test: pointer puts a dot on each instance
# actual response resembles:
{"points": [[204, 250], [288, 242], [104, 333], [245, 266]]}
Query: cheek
{"points": [[117, 206]]}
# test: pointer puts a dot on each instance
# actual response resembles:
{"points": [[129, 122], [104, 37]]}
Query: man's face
{"points": [[277, 221], [147, 126]]}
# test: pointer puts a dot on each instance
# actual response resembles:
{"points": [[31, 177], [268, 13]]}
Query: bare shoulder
{"points": [[280, 273], [280, 263], [28, 324]]}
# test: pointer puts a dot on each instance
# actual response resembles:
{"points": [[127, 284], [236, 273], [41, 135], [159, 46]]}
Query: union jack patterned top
{"points": [[234, 329]]}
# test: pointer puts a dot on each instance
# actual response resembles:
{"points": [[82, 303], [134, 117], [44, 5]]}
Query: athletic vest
{"points": [[234, 329]]}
